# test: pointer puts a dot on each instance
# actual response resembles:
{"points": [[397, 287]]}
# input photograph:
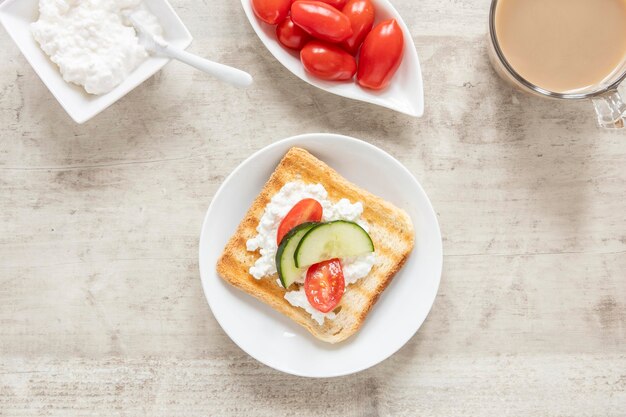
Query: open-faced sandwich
{"points": [[317, 248]]}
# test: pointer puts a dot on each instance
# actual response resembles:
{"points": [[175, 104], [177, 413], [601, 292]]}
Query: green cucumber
{"points": [[288, 272], [336, 239]]}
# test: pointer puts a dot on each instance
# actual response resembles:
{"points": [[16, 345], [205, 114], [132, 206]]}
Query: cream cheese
{"points": [[92, 41], [265, 240]]}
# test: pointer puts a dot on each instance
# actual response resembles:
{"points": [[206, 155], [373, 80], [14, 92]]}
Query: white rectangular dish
{"points": [[16, 17]]}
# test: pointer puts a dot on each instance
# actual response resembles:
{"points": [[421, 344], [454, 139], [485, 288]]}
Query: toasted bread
{"points": [[391, 231]]}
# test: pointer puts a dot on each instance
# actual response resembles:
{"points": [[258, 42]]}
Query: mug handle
{"points": [[611, 110]]}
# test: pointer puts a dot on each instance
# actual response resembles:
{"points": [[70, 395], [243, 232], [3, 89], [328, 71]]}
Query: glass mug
{"points": [[609, 105]]}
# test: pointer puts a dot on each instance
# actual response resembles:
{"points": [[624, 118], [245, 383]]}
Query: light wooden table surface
{"points": [[101, 309]]}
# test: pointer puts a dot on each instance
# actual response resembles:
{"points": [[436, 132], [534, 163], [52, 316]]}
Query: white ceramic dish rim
{"points": [[118, 92], [368, 97], [296, 140]]}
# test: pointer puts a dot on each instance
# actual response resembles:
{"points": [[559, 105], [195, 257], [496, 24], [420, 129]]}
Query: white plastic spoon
{"points": [[159, 46]]}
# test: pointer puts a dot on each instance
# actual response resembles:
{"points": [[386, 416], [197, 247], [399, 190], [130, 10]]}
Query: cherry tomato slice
{"points": [[381, 55], [337, 4], [307, 210], [327, 61], [361, 15], [271, 11], [324, 285], [321, 20], [290, 35]]}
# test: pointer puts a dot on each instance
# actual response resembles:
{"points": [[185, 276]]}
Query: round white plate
{"points": [[274, 339], [406, 91]]}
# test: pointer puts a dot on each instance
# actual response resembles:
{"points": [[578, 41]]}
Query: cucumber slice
{"points": [[337, 239], [288, 272]]}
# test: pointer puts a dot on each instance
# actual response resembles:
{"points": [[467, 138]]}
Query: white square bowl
{"points": [[16, 17]]}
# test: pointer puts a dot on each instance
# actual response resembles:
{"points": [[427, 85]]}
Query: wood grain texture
{"points": [[101, 309]]}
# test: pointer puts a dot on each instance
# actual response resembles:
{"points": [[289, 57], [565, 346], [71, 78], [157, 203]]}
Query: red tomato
{"points": [[380, 55], [271, 11], [337, 4], [361, 15], [307, 210], [324, 285], [327, 61], [290, 35], [321, 20]]}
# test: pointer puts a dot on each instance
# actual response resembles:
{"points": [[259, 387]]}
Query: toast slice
{"points": [[391, 231]]}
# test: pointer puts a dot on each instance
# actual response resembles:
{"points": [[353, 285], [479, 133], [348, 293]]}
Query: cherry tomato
{"points": [[321, 20], [307, 210], [361, 15], [290, 35], [380, 55], [324, 285], [271, 11], [337, 4], [327, 61]]}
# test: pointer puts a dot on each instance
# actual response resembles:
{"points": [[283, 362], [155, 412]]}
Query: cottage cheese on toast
{"points": [[265, 241]]}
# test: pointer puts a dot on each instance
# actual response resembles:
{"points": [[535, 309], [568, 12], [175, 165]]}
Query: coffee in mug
{"points": [[570, 49]]}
